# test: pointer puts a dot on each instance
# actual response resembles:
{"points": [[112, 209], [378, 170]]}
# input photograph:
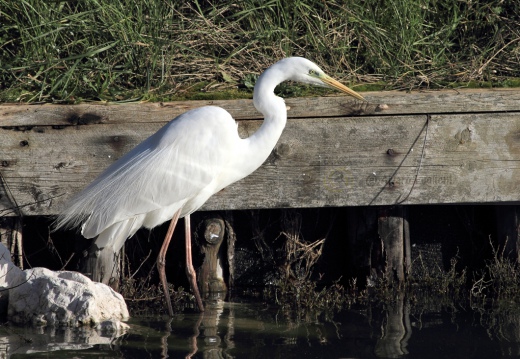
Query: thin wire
{"points": [[389, 181], [428, 117]]}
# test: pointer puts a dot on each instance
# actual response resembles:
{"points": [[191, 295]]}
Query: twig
{"points": [[144, 299], [495, 55], [67, 262], [137, 270]]}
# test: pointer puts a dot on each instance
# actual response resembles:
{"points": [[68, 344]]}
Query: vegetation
{"points": [[498, 282], [122, 50]]}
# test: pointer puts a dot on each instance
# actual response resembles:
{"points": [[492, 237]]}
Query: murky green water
{"points": [[245, 330]]}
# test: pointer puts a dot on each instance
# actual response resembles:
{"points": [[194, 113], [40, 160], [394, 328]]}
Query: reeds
{"points": [[122, 50]]}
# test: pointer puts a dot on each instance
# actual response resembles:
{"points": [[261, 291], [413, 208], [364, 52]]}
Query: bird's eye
{"points": [[313, 73]]}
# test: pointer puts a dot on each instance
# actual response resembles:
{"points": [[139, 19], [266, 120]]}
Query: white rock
{"points": [[65, 299]]}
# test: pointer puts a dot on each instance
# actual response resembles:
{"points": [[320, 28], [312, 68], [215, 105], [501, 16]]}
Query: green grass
{"points": [[68, 51]]}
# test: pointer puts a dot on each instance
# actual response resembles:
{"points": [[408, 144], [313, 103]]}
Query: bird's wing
{"points": [[169, 167]]}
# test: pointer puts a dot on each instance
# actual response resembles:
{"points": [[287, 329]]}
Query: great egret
{"points": [[173, 172]]}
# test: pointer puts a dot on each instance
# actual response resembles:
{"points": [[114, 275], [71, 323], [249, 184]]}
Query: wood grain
{"points": [[396, 103], [457, 152]]}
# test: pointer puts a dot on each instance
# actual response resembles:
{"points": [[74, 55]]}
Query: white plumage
{"points": [[183, 164], [159, 176]]}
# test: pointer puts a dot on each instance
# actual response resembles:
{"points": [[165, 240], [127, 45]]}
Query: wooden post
{"points": [[11, 237], [103, 265], [211, 273], [391, 228], [379, 242], [407, 245], [508, 230]]}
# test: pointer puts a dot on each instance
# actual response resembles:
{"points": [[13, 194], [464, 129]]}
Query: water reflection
{"points": [[206, 330], [256, 330], [396, 331], [18, 341]]}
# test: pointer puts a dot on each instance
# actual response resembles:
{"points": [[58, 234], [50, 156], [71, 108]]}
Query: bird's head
{"points": [[302, 70]]}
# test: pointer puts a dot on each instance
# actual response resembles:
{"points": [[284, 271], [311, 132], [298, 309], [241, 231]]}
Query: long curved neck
{"points": [[261, 143]]}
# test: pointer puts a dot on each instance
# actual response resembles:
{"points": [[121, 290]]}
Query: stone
{"points": [[65, 298]]}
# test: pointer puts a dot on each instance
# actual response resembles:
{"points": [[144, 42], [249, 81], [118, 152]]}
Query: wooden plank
{"points": [[348, 162], [467, 158], [397, 103]]}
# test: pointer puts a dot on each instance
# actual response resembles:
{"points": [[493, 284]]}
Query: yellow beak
{"points": [[339, 86]]}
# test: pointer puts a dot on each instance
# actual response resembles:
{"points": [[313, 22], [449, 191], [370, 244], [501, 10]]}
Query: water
{"points": [[255, 330]]}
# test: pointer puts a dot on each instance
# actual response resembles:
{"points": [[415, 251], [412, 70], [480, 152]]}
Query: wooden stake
{"points": [[11, 237], [391, 228], [211, 273]]}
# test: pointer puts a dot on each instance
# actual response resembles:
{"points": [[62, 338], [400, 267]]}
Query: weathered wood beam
{"points": [[397, 103], [327, 161]]}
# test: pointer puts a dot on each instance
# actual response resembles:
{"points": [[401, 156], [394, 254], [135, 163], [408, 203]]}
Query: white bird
{"points": [[173, 172]]}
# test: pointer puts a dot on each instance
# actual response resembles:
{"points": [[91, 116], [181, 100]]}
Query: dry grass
{"points": [[122, 50]]}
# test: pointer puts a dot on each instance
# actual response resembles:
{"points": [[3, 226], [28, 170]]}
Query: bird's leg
{"points": [[161, 260], [190, 271]]}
